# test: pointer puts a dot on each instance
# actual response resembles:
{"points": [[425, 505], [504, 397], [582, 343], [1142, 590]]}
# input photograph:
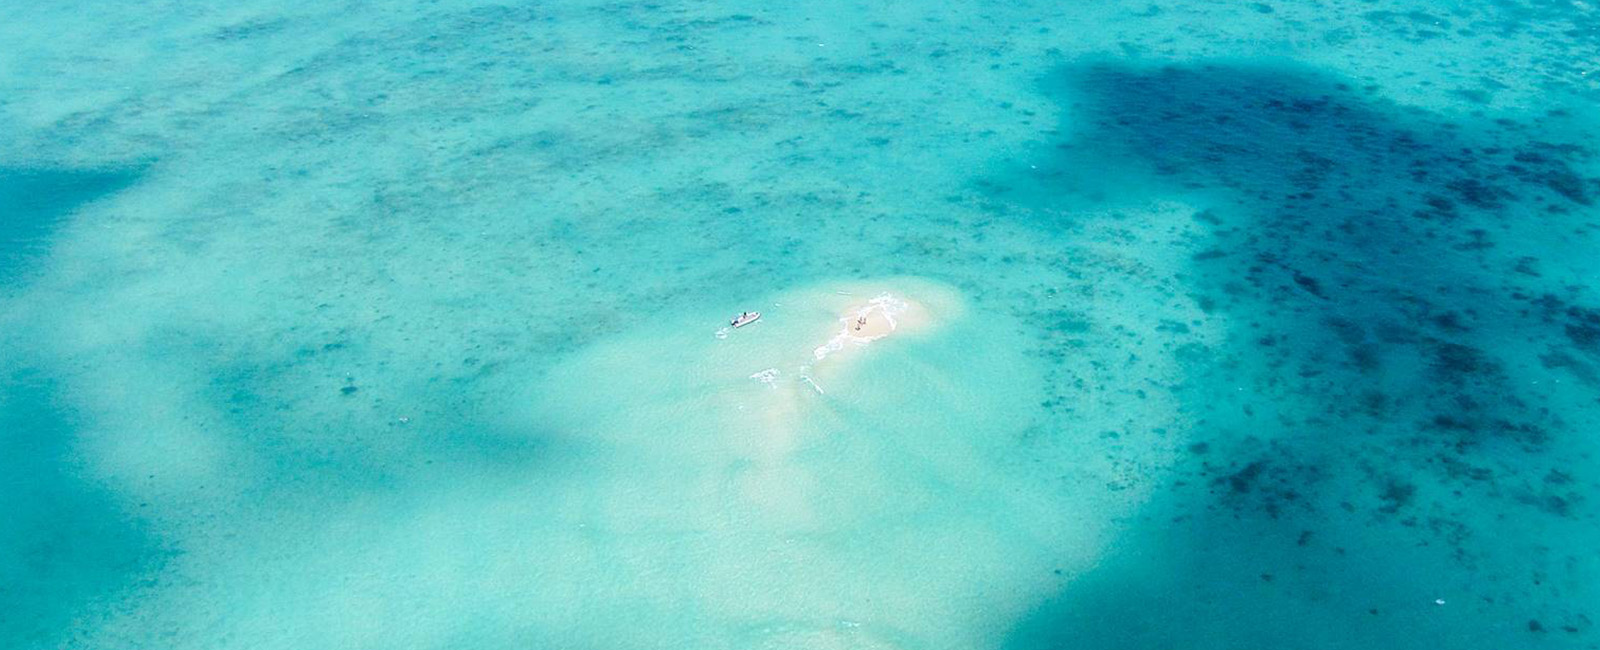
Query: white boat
{"points": [[746, 318]]}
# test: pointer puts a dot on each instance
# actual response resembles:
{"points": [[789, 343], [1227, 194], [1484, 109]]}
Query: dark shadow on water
{"points": [[73, 548], [35, 202], [1385, 310], [64, 541]]}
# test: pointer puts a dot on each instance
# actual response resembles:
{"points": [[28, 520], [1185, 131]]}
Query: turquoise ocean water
{"points": [[350, 325]]}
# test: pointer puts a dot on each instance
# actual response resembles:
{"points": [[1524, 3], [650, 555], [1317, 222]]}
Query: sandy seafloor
{"points": [[347, 325]]}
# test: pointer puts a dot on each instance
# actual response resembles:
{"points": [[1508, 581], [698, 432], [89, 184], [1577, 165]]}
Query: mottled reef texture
{"points": [[1380, 267]]}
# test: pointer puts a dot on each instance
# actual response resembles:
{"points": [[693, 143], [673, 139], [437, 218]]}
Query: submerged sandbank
{"points": [[798, 458]]}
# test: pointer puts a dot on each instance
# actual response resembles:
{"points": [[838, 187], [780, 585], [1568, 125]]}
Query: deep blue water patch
{"points": [[1374, 260], [35, 202]]}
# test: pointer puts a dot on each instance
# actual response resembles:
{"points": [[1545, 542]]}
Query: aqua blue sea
{"points": [[348, 325]]}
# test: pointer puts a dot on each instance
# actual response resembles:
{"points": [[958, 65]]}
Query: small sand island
{"points": [[874, 319], [810, 335], [809, 342], [838, 319]]}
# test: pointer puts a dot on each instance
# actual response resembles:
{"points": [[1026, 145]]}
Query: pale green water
{"points": [[397, 326]]}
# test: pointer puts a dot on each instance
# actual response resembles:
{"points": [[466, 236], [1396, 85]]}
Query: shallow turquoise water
{"points": [[354, 326]]}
